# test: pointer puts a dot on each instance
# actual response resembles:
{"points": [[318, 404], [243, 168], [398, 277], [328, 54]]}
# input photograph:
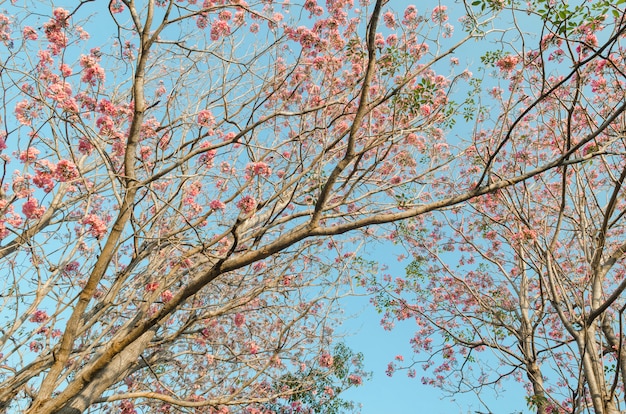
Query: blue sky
{"points": [[400, 394]]}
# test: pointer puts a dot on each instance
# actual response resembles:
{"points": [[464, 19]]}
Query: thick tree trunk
{"points": [[114, 372]]}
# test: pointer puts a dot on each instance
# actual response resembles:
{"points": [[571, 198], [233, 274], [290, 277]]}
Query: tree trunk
{"points": [[114, 372]]}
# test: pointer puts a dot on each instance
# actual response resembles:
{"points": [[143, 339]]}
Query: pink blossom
{"points": [[66, 171], [439, 14], [239, 320], [92, 71], [247, 204], [355, 379], [259, 266], [32, 210], [390, 20], [253, 348], [392, 40], [206, 119], [391, 368], [260, 169], [54, 30], [379, 40], [152, 286], [5, 29], [44, 175], [25, 112], [410, 15], [219, 28], [29, 33], [217, 205], [39, 316], [97, 227], [326, 360], [507, 63], [206, 159], [84, 146], [65, 69], [166, 296], [329, 391], [202, 22], [82, 34], [145, 152], [127, 407], [116, 6]]}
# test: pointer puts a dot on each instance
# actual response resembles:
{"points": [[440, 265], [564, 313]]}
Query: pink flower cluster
{"points": [[219, 28], [439, 14], [25, 112], [61, 92], [32, 210], [410, 16], [390, 20], [29, 155], [44, 175], [54, 30], [39, 316], [152, 286], [207, 158], [247, 204], [116, 6], [239, 320], [5, 29], [206, 118], [253, 348], [29, 33], [66, 171], [326, 360], [97, 227], [166, 296], [355, 379], [217, 205], [507, 63], [92, 71], [259, 169]]}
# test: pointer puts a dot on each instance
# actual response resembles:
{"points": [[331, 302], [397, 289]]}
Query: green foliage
{"points": [[317, 389], [490, 5], [534, 401], [491, 57], [567, 17], [470, 106]]}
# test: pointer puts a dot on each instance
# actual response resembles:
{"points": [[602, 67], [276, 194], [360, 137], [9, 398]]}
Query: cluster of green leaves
{"points": [[345, 363], [490, 5], [567, 17]]}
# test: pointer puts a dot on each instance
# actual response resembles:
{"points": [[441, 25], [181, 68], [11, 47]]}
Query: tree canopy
{"points": [[185, 185]]}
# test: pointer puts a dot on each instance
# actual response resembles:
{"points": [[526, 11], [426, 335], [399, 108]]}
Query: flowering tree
{"points": [[182, 196], [537, 276]]}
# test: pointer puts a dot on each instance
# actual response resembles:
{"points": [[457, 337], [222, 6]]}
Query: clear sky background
{"points": [[401, 394]]}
